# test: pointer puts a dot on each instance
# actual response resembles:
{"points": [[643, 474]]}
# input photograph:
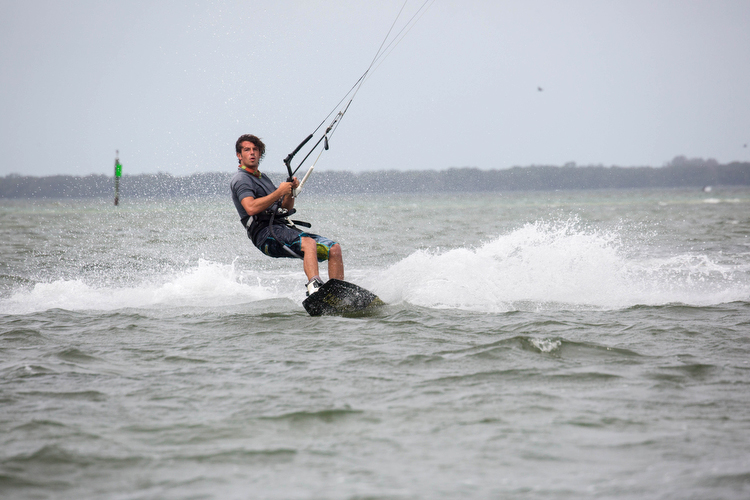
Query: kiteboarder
{"points": [[264, 210]]}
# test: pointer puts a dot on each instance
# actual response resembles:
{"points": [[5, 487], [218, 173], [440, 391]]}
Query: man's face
{"points": [[249, 156]]}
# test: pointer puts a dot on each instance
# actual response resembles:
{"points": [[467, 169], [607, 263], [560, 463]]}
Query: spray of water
{"points": [[208, 284], [542, 265], [557, 265]]}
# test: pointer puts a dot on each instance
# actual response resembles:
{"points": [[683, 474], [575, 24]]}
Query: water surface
{"points": [[577, 344]]}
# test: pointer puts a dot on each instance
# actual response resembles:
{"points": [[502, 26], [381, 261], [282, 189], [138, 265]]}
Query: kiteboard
{"points": [[337, 297]]}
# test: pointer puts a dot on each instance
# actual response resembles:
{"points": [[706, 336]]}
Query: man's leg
{"points": [[310, 261], [335, 263], [310, 256]]}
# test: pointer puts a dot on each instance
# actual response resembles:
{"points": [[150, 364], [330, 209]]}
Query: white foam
{"points": [[208, 284], [546, 345], [539, 266], [714, 201], [553, 265]]}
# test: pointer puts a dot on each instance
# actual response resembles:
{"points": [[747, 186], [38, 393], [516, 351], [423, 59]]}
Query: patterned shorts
{"points": [[291, 238]]}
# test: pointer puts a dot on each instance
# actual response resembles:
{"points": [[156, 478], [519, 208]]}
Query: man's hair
{"points": [[255, 140]]}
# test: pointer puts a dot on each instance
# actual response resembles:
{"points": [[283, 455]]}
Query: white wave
{"points": [[539, 266], [554, 265], [714, 201], [209, 284]]}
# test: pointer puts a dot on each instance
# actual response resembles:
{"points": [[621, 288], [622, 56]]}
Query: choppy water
{"points": [[591, 344]]}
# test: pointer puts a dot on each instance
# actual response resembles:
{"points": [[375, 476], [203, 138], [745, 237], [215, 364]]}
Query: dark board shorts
{"points": [[291, 238]]}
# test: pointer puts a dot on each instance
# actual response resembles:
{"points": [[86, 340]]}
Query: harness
{"points": [[277, 215]]}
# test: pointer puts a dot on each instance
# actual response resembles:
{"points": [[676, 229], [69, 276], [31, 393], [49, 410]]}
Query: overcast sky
{"points": [[172, 84]]}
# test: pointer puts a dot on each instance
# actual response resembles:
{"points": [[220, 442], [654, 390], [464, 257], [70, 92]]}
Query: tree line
{"points": [[680, 172]]}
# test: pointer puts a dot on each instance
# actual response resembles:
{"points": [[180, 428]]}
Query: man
{"points": [[259, 204]]}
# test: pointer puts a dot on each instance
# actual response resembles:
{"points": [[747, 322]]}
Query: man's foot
{"points": [[313, 285]]}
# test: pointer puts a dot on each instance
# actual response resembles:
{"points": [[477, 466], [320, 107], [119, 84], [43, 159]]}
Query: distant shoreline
{"points": [[680, 172]]}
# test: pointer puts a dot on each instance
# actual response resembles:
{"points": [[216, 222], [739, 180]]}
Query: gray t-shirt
{"points": [[244, 184]]}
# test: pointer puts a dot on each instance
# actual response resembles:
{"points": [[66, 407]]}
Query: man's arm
{"points": [[288, 202], [254, 206]]}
